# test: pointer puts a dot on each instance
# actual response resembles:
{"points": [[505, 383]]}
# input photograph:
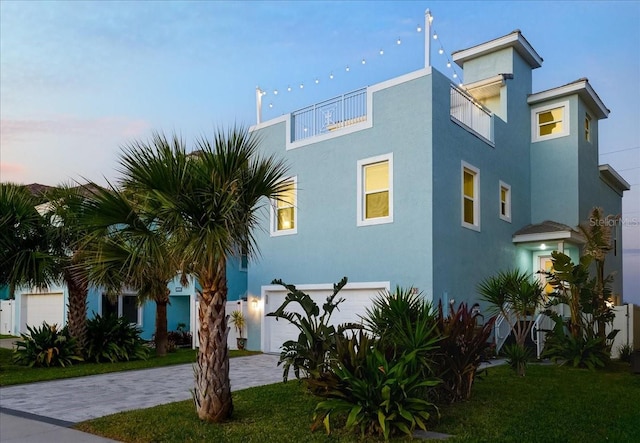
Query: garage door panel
{"points": [[38, 308], [355, 303]]}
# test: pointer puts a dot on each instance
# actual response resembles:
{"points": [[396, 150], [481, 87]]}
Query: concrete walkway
{"points": [[58, 404]]}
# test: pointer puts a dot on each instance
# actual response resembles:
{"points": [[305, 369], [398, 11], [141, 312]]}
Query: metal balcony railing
{"points": [[329, 115]]}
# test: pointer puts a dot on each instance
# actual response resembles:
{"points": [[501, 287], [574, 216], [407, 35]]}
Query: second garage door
{"points": [[37, 308]]}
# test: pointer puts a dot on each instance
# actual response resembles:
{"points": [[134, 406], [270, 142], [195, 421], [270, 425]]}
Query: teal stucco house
{"points": [[420, 182]]}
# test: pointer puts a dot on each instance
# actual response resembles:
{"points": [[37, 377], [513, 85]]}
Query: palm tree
{"points": [[24, 241], [208, 203], [516, 296], [124, 249]]}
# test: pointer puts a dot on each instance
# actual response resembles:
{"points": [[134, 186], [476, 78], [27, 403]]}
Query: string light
{"points": [[381, 52]]}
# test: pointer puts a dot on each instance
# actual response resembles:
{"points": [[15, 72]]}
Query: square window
{"points": [[470, 197], [505, 202], [550, 121], [284, 213], [375, 190]]}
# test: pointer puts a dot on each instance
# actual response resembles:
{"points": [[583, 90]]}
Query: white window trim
{"points": [[535, 137], [140, 307], [360, 219], [476, 201], [506, 217], [588, 139], [273, 222]]}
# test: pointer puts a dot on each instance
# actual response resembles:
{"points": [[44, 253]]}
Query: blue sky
{"points": [[80, 79]]}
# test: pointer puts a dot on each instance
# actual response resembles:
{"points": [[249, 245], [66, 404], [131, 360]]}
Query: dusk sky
{"points": [[78, 80]]}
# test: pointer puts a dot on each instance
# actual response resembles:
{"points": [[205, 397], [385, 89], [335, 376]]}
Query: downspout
{"points": [[259, 94]]}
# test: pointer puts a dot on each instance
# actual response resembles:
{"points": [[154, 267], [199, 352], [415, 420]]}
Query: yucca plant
{"points": [[46, 346], [517, 357]]}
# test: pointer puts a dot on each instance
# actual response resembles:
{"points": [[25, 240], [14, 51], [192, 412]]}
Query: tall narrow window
{"points": [[284, 217], [505, 202], [470, 197], [587, 127], [375, 190]]}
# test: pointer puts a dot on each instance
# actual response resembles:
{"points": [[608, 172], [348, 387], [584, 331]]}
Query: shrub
{"points": [[517, 357], [463, 347], [587, 350], [380, 396], [309, 353], [625, 351], [404, 322], [46, 346], [180, 337], [113, 338]]}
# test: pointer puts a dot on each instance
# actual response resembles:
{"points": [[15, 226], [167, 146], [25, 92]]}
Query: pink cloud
{"points": [[119, 127], [11, 172]]}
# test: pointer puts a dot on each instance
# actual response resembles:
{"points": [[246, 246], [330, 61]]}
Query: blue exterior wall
{"points": [[4, 292], [328, 244], [463, 257], [236, 280]]}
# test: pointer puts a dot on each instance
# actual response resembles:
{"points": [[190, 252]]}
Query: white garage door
{"points": [[36, 308], [357, 297]]}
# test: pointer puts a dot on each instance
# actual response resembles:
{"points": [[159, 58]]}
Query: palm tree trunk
{"points": [[161, 337], [212, 393], [77, 309]]}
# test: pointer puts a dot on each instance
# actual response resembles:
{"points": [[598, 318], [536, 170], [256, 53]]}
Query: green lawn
{"points": [[550, 404], [12, 374], [2, 336]]}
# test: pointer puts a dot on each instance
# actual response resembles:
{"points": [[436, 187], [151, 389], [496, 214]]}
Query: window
{"points": [[284, 214], [587, 127], [124, 306], [505, 202], [550, 121], [244, 262], [470, 197], [375, 190]]}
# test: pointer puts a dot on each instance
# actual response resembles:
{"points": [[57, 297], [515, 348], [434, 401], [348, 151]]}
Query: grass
{"points": [[12, 374], [550, 404], [3, 336]]}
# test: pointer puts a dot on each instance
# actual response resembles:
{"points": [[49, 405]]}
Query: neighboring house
{"points": [[418, 182], [33, 306]]}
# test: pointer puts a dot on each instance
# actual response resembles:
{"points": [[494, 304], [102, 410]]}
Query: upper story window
{"points": [[505, 202], [470, 196], [375, 190], [587, 127], [284, 212], [550, 121]]}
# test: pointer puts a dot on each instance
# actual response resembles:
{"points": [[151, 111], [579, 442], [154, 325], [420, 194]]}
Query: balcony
{"points": [[471, 115], [330, 115]]}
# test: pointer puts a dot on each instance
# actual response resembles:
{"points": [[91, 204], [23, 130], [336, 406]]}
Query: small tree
{"points": [[516, 296], [238, 320]]}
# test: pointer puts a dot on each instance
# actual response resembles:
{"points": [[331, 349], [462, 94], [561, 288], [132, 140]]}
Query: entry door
{"points": [[545, 265]]}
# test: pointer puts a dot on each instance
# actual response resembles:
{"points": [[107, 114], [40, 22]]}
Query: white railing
{"points": [[502, 327], [472, 115], [329, 115], [542, 324]]}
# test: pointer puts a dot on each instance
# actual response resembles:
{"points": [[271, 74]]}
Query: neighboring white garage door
{"points": [[357, 297], [36, 308]]}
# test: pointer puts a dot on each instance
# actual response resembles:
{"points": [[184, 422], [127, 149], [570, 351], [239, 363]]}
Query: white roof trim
{"points": [[514, 40], [546, 236], [611, 177], [580, 87]]}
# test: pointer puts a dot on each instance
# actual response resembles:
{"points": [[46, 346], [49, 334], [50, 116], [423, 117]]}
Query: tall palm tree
{"points": [[208, 204], [25, 235], [125, 249]]}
